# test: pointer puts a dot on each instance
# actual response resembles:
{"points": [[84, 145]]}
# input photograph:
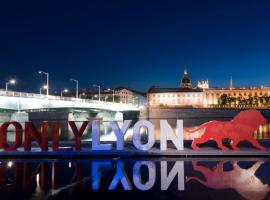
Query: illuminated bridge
{"points": [[20, 101], [21, 107]]}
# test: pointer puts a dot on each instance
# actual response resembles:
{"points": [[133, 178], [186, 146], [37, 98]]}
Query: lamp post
{"points": [[44, 87], [77, 87], [98, 91], [112, 92], [47, 75], [11, 81], [65, 91]]}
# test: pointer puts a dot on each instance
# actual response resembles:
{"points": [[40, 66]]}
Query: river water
{"points": [[141, 178]]}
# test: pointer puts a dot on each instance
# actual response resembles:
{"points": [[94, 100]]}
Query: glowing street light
{"points": [[65, 91], [11, 81], [77, 87], [98, 91], [47, 75], [94, 96], [9, 164], [112, 92], [44, 87]]}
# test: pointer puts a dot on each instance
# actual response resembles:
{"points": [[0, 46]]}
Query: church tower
{"points": [[185, 82]]}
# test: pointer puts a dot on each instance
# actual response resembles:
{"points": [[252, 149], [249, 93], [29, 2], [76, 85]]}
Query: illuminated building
{"points": [[185, 82], [204, 96], [130, 96], [203, 84], [183, 96], [213, 96]]}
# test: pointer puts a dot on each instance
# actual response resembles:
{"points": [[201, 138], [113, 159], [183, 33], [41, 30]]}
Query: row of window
{"points": [[212, 94], [125, 92], [238, 94], [178, 95], [177, 98], [182, 101]]}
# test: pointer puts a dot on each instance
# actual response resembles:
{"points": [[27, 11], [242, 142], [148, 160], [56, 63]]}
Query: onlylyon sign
{"points": [[241, 127], [31, 134]]}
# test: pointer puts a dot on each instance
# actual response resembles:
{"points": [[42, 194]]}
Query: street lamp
{"points": [[11, 81], [65, 91], [47, 75], [44, 87], [77, 87], [95, 96], [98, 91], [113, 93]]}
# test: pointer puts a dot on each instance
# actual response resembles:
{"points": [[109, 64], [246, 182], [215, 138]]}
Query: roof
{"points": [[165, 90]]}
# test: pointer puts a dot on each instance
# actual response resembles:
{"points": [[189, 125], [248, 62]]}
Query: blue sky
{"points": [[136, 43]]}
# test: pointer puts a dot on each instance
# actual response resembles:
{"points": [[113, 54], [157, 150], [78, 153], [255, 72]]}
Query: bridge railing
{"points": [[53, 97]]}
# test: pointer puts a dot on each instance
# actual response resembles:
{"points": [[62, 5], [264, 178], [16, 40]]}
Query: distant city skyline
{"points": [[134, 43]]}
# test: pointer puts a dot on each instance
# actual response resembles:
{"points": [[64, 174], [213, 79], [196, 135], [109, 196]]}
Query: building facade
{"points": [[130, 96], [184, 96], [203, 96], [172, 97], [238, 96]]}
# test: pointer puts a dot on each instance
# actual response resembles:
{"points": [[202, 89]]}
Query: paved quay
{"points": [[67, 151]]}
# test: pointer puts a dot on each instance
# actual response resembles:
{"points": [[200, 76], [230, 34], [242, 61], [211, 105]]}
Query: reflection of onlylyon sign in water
{"points": [[243, 180], [31, 133], [41, 174], [121, 176], [60, 178]]}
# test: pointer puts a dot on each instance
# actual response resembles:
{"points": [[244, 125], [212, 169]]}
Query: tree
{"points": [[223, 100]]}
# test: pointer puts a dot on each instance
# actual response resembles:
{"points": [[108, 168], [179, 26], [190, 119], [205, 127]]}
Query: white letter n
{"points": [[166, 132]]}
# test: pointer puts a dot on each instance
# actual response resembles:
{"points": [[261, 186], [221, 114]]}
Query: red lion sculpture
{"points": [[241, 127]]}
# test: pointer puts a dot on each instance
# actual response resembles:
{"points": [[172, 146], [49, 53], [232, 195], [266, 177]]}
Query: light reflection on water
{"points": [[111, 178]]}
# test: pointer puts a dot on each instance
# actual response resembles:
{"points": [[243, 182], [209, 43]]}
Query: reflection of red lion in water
{"points": [[244, 181], [241, 127]]}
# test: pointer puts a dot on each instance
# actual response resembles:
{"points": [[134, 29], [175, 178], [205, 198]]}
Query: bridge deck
{"points": [[29, 101]]}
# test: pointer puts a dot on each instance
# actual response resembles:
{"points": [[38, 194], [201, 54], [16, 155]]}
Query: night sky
{"points": [[135, 43]]}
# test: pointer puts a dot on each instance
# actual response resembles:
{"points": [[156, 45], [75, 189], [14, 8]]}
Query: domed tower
{"points": [[185, 83]]}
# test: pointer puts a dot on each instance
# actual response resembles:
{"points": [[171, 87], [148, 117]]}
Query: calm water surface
{"points": [[116, 178]]}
